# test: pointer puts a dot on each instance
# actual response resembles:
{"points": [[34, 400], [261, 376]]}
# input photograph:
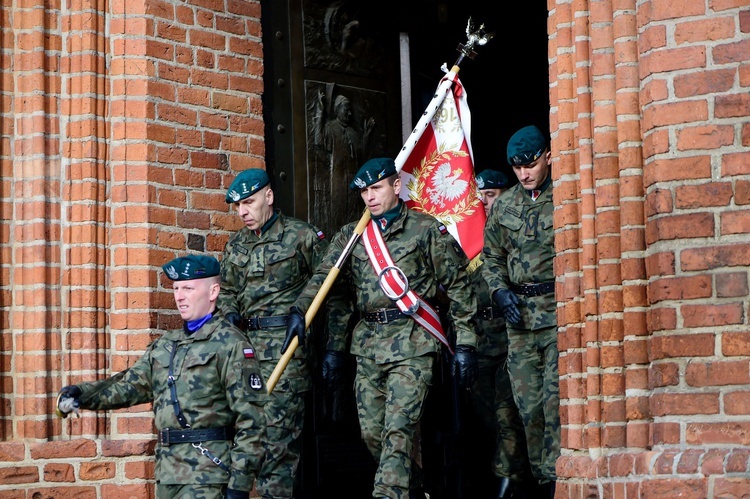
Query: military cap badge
{"points": [[246, 183]]}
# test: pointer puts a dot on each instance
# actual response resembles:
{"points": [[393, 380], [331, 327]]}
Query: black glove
{"points": [[236, 494], [295, 326], [334, 366], [236, 319], [508, 303], [464, 366], [64, 403]]}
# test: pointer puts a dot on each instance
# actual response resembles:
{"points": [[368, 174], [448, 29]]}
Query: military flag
{"points": [[438, 173]]}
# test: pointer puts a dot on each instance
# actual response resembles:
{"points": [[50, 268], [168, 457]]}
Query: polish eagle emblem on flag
{"points": [[439, 173]]}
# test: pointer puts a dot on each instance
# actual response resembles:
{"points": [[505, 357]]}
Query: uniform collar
{"points": [[270, 230], [535, 194], [388, 218], [269, 223], [201, 333]]}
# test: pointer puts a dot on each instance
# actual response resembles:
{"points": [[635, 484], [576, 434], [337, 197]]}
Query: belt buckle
{"points": [[487, 313], [382, 316], [164, 436], [253, 323]]}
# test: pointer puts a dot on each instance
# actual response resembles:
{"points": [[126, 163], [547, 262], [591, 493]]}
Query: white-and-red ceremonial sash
{"points": [[394, 285]]}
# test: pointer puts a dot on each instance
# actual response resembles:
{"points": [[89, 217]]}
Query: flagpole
{"points": [[478, 37]]}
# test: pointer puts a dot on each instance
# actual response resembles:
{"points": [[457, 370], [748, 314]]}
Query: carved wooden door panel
{"points": [[345, 97]]}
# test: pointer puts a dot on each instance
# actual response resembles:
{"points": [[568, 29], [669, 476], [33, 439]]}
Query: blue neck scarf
{"points": [[193, 326]]}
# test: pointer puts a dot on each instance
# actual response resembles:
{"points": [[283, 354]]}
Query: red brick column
{"points": [[650, 165], [129, 119]]}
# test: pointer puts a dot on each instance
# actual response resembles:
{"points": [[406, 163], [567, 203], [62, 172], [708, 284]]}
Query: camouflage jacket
{"points": [[263, 275], [218, 385], [493, 338], [430, 258], [519, 248]]}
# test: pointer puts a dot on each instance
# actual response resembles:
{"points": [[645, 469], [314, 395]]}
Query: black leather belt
{"points": [[534, 289], [256, 322], [489, 313], [384, 315], [171, 437]]}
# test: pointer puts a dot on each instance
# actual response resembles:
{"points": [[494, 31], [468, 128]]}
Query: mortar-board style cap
{"points": [[247, 183], [526, 146], [186, 268], [491, 179], [373, 171]]}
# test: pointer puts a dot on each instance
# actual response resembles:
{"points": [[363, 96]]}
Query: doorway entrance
{"points": [[336, 73]]}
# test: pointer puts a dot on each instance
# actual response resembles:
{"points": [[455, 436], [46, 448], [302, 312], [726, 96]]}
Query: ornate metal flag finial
{"points": [[473, 38]]}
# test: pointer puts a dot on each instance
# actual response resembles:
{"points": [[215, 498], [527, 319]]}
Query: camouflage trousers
{"points": [[212, 491], [390, 398], [532, 365], [492, 397], [285, 416]]}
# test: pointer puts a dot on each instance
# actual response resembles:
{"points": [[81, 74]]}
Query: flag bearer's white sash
{"points": [[395, 285]]}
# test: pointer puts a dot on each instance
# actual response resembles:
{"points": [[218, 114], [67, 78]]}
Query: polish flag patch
{"points": [[321, 235], [249, 353]]}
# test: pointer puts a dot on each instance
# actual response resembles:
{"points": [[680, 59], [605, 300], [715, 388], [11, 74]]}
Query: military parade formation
{"points": [[406, 297]]}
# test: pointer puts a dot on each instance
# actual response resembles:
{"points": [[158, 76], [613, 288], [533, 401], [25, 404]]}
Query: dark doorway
{"points": [[309, 69]]}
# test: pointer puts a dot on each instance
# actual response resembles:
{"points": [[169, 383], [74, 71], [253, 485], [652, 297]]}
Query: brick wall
{"points": [[651, 151], [122, 122]]}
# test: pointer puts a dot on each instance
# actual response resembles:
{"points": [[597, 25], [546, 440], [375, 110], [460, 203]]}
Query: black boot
{"points": [[511, 489], [505, 489]]}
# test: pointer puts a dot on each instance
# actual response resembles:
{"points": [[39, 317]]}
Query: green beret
{"points": [[247, 183], [373, 171], [186, 268], [491, 179], [526, 146]]}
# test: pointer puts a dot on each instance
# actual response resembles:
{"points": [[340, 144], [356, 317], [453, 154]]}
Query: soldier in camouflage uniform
{"points": [[492, 393], [206, 389], [264, 267], [518, 255], [394, 354]]}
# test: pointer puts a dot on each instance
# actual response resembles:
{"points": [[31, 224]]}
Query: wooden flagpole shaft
{"points": [[318, 300]]}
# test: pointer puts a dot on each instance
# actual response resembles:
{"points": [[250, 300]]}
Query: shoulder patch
{"points": [[320, 234], [443, 229]]}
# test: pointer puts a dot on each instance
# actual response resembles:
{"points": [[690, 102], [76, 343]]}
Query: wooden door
{"points": [[335, 103]]}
